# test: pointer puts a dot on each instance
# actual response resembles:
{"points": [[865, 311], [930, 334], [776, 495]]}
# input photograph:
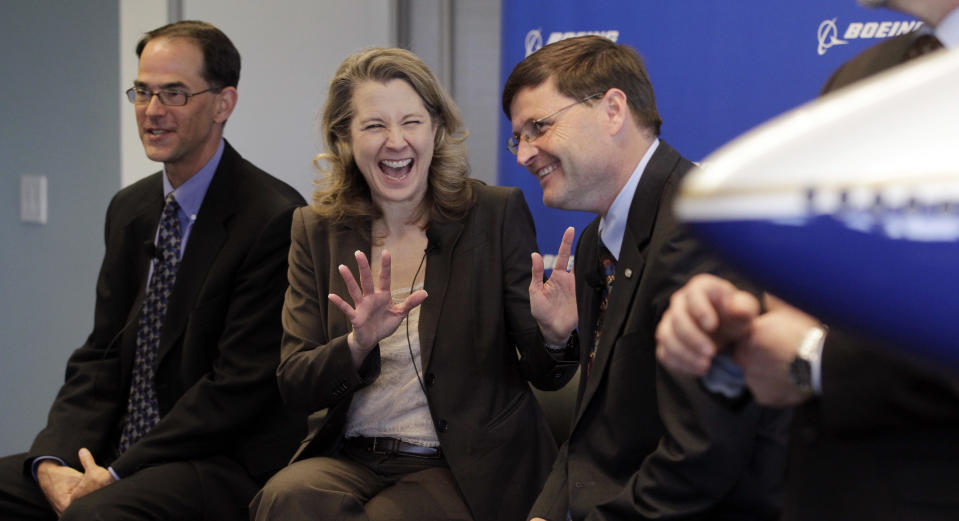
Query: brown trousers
{"points": [[357, 485]]}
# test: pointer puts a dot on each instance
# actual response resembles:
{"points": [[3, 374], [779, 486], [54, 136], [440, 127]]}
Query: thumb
{"points": [[86, 459]]}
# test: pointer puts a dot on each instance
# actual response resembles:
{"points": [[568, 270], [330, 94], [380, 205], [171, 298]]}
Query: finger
{"points": [[536, 277], [415, 299], [699, 306], [86, 459], [687, 333], [740, 307], [565, 248], [351, 286], [342, 306], [366, 274], [689, 352], [385, 263]]}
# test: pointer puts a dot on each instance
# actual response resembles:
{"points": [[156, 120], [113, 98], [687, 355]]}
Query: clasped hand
{"points": [[374, 316], [62, 484]]}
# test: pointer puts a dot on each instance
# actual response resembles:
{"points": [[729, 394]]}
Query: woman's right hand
{"points": [[373, 316]]}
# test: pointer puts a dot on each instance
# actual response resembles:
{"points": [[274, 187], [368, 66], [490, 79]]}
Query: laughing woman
{"points": [[418, 361]]}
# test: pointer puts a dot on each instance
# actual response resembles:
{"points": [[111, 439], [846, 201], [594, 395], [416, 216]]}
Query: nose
{"points": [[525, 152], [395, 137], [154, 107]]}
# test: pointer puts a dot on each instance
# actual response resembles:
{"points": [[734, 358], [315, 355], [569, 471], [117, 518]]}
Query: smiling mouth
{"points": [[545, 171], [396, 169]]}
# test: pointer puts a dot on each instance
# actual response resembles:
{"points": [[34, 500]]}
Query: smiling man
{"points": [[170, 409], [645, 443]]}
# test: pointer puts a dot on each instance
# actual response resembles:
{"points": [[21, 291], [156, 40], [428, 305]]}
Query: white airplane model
{"points": [[848, 206]]}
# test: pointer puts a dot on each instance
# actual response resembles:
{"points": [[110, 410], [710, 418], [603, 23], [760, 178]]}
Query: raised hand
{"points": [[553, 303], [373, 314]]}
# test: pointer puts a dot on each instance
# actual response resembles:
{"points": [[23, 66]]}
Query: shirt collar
{"points": [[948, 30], [190, 194], [612, 226]]}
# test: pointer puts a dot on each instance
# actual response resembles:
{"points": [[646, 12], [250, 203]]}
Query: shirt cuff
{"points": [[113, 473], [40, 459], [724, 377]]}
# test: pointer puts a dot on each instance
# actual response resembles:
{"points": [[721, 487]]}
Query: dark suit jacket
{"points": [[479, 347], [647, 444], [219, 343], [881, 441]]}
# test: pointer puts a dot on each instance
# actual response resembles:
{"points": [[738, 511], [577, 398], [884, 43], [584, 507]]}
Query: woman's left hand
{"points": [[374, 316]]}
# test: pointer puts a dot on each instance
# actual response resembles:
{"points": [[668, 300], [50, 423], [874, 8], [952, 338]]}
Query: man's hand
{"points": [[95, 477], [705, 317], [766, 353], [553, 303], [57, 483]]}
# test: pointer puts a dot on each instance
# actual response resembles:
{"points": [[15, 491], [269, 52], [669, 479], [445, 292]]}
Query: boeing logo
{"points": [[828, 33], [534, 38], [828, 36]]}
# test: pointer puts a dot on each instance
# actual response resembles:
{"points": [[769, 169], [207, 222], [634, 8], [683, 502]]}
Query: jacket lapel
{"points": [[624, 302], [207, 237], [443, 238], [142, 229]]}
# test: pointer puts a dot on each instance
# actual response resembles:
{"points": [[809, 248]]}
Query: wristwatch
{"points": [[804, 369]]}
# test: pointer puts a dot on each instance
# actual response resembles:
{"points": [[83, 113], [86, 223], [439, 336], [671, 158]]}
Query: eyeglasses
{"points": [[536, 129], [170, 97]]}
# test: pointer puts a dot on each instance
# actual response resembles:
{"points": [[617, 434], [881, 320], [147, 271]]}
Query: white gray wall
{"points": [[61, 118]]}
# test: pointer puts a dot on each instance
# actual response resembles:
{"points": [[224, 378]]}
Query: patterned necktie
{"points": [[143, 411], [607, 273]]}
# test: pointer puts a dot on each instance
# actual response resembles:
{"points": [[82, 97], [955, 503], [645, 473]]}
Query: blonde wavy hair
{"points": [[343, 193]]}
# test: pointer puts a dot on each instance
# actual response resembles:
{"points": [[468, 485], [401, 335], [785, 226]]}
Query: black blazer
{"points": [[647, 444], [219, 344], [881, 441], [480, 346]]}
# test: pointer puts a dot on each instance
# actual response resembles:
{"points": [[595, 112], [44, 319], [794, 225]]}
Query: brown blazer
{"points": [[480, 347]]}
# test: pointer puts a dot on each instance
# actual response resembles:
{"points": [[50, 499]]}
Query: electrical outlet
{"points": [[33, 199]]}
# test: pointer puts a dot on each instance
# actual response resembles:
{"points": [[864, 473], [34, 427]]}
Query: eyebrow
{"points": [[171, 85]]}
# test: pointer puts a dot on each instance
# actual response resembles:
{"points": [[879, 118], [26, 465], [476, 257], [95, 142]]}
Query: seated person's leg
{"points": [[215, 489], [20, 496], [314, 488], [423, 495]]}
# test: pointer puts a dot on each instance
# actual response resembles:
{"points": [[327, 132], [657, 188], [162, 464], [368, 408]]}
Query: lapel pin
{"points": [[628, 273]]}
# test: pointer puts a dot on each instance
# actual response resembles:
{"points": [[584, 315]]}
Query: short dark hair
{"points": [[586, 65], [221, 60]]}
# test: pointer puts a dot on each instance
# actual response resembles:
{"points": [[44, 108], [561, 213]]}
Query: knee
{"points": [[280, 493], [85, 509]]}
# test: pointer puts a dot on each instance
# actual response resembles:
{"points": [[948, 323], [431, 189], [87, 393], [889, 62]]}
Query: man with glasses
{"points": [[170, 408], [645, 443]]}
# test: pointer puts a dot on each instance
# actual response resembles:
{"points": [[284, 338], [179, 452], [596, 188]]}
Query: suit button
{"points": [[430, 379], [442, 426], [557, 374], [579, 484]]}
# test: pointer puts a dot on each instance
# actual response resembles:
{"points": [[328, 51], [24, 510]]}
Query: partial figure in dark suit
{"points": [[874, 435], [644, 443], [170, 409], [418, 367]]}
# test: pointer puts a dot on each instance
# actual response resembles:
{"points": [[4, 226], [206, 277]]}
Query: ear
{"points": [[225, 103], [615, 110]]}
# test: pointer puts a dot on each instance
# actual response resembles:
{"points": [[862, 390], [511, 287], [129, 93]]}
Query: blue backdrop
{"points": [[718, 68]]}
